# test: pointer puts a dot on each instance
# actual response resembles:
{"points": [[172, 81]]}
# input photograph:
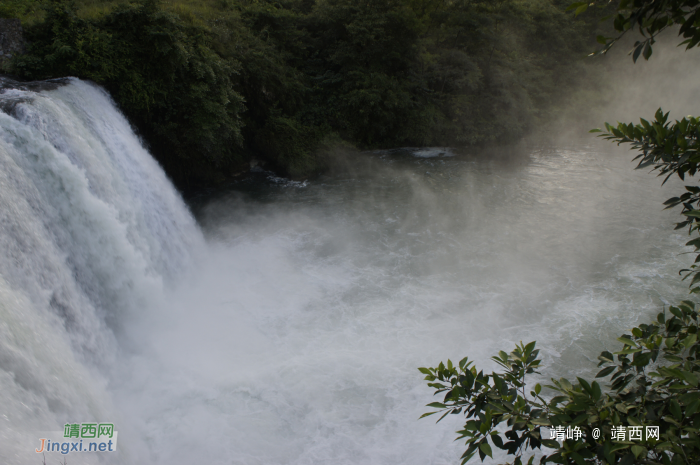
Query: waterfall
{"points": [[90, 230], [293, 334]]}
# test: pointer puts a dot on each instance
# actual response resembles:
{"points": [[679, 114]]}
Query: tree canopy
{"points": [[214, 83]]}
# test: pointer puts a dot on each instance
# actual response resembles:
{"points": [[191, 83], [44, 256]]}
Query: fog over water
{"points": [[339, 289], [279, 322]]}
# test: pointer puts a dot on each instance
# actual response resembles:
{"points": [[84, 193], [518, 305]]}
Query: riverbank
{"points": [[212, 85]]}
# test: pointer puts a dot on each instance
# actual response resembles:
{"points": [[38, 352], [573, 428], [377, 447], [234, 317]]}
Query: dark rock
{"points": [[34, 86], [8, 102]]}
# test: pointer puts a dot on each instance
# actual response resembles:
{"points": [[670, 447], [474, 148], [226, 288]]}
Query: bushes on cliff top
{"points": [[210, 84], [160, 70]]}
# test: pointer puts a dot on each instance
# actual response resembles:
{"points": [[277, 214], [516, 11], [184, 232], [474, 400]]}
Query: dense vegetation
{"points": [[211, 83], [655, 376]]}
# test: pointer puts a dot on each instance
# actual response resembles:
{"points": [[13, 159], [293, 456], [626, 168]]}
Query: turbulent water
{"points": [[286, 324]]}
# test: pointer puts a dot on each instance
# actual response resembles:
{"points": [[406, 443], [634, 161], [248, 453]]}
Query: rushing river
{"points": [[283, 322]]}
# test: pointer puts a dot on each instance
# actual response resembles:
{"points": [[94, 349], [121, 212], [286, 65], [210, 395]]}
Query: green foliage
{"points": [[488, 66], [669, 148], [487, 401], [360, 68], [650, 17], [161, 71], [18, 8], [290, 144], [212, 83], [278, 125], [653, 382]]}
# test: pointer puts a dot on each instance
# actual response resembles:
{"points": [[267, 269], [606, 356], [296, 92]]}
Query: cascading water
{"points": [[91, 232], [291, 333]]}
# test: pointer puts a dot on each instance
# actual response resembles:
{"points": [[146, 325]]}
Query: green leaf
{"points": [[551, 443], [628, 351], [617, 447], [690, 340], [636, 53], [691, 378], [641, 360], [584, 384], [577, 458], [463, 363], [627, 341], [530, 347], [565, 384], [486, 449], [436, 405], [675, 408], [638, 450], [574, 6], [484, 427], [605, 372], [497, 440], [690, 397]]}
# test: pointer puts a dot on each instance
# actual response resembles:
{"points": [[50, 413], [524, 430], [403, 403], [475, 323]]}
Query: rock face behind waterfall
{"points": [[11, 40], [91, 232]]}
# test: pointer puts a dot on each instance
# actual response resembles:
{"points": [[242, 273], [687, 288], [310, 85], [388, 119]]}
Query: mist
{"points": [[616, 89], [317, 301], [298, 336], [272, 321]]}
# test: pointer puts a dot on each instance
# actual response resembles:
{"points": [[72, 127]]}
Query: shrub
{"points": [[653, 382]]}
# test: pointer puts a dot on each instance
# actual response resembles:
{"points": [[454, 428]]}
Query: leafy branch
{"points": [[653, 382], [649, 17], [669, 148]]}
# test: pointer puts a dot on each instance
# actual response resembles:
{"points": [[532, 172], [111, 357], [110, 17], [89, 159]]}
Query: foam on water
{"points": [[317, 303], [291, 330]]}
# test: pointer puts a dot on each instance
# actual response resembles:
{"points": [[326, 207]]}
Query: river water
{"points": [[281, 322]]}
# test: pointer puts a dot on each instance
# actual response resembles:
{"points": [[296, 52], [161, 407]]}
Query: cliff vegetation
{"points": [[211, 84]]}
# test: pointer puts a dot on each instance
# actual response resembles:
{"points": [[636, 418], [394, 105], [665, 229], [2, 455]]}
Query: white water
{"points": [[91, 232], [290, 331]]}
